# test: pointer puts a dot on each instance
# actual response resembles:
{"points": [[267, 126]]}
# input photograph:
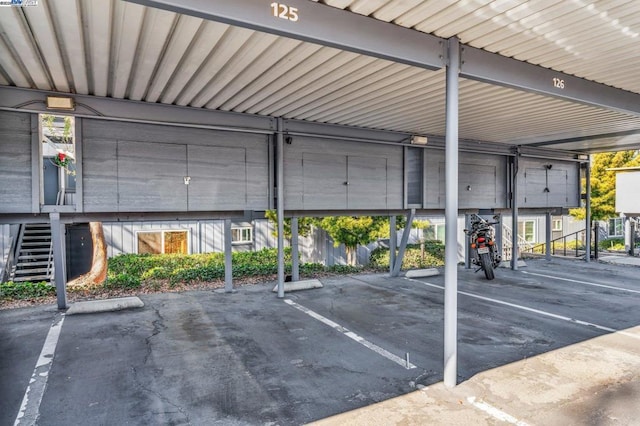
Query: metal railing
{"points": [[577, 237]]}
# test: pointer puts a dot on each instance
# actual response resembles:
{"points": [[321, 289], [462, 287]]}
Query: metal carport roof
{"points": [[533, 73], [127, 51]]}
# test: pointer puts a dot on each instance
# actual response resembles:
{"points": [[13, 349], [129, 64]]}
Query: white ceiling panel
{"points": [[126, 51]]}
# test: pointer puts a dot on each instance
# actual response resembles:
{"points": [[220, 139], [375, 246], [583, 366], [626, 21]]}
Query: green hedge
{"points": [[26, 290], [132, 270], [413, 257]]}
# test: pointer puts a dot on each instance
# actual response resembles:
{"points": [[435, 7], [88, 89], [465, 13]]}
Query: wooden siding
{"points": [[482, 180], [325, 174], [548, 183], [15, 162], [142, 167]]}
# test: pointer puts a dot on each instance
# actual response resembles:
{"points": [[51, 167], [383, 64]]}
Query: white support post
{"points": [[59, 261], [514, 214], [451, 219], [228, 262], [467, 251], [280, 203]]}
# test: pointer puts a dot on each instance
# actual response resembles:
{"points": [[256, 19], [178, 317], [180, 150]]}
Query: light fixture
{"points": [[419, 140], [58, 102]]}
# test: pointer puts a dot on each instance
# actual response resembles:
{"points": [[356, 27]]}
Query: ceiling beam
{"points": [[620, 134], [492, 68], [317, 23]]}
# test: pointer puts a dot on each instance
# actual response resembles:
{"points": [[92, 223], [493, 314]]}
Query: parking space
{"points": [[250, 358]]}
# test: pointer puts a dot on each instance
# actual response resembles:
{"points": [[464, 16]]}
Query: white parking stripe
{"points": [[581, 282], [535, 311], [350, 334], [495, 412], [30, 407]]}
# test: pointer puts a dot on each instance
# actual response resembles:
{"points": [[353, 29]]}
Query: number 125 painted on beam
{"points": [[283, 11]]}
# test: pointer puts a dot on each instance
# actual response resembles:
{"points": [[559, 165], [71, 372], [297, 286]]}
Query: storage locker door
{"points": [[151, 176], [535, 185], [476, 186], [218, 178], [325, 181], [15, 162], [100, 175], [558, 189], [367, 182]]}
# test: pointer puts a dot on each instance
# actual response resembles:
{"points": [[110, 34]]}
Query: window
{"points": [[162, 242], [527, 230], [557, 224], [616, 227], [435, 232], [242, 235]]}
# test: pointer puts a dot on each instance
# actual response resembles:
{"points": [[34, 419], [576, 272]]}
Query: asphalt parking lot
{"points": [[206, 358]]}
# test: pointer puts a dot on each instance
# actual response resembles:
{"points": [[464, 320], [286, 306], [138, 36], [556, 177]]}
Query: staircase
{"points": [[34, 260], [507, 243]]}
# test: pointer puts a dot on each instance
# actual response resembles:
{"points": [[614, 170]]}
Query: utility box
{"points": [[627, 184]]}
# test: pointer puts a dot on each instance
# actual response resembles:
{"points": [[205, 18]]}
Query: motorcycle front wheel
{"points": [[487, 265]]}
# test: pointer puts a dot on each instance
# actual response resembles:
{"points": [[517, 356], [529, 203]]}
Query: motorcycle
{"points": [[484, 251]]}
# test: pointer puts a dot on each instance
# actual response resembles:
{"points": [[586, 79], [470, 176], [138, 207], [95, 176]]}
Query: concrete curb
{"points": [[421, 273], [108, 305], [300, 285]]}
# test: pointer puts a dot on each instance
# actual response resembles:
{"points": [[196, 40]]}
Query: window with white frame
{"points": [[163, 242], [557, 224], [435, 232], [527, 230], [242, 235], [616, 227]]}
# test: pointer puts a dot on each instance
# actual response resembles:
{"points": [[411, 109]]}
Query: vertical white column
{"points": [[451, 219], [587, 216], [280, 203], [59, 259]]}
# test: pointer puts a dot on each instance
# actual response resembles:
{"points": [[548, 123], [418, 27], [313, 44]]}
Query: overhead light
{"points": [[419, 140], [58, 102]]}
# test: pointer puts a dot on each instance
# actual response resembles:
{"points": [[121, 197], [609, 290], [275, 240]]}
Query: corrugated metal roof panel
{"points": [[123, 50]]}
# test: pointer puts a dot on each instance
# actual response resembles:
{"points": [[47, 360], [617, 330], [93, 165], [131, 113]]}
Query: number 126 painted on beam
{"points": [[283, 11]]}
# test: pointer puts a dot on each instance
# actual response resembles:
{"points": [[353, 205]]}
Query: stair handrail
{"points": [[49, 262], [13, 254], [564, 238]]}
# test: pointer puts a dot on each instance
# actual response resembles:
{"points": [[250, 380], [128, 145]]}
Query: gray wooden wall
{"points": [[5, 246], [15, 162], [131, 167]]}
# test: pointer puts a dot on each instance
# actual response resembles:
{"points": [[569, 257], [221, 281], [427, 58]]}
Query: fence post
{"points": [[595, 239]]}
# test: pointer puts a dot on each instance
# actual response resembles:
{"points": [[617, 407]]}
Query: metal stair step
{"points": [[32, 264], [35, 278], [35, 243], [33, 256], [36, 250], [38, 225], [36, 237], [32, 271]]}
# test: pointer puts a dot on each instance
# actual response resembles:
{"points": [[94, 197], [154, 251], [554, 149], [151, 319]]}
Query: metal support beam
{"points": [[514, 214], [295, 256], [587, 215], [451, 217], [393, 242], [28, 100], [403, 244], [490, 67], [547, 235], [280, 204], [228, 262], [59, 259], [318, 23], [500, 236]]}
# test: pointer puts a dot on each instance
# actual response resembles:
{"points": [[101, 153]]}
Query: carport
{"points": [[530, 83]]}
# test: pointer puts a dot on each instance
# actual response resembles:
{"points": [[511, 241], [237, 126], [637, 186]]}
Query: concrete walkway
{"points": [[596, 382]]}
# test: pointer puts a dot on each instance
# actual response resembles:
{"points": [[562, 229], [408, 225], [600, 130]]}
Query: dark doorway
{"points": [[79, 250]]}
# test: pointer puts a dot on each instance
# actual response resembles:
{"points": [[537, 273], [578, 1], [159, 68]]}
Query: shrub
{"points": [[413, 257], [26, 290], [123, 280]]}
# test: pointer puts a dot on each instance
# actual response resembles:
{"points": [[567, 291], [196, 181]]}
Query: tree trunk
{"points": [[351, 256], [98, 272]]}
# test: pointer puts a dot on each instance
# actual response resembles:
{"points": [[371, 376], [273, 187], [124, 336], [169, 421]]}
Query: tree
{"points": [[353, 231], [304, 224], [603, 183], [98, 272]]}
